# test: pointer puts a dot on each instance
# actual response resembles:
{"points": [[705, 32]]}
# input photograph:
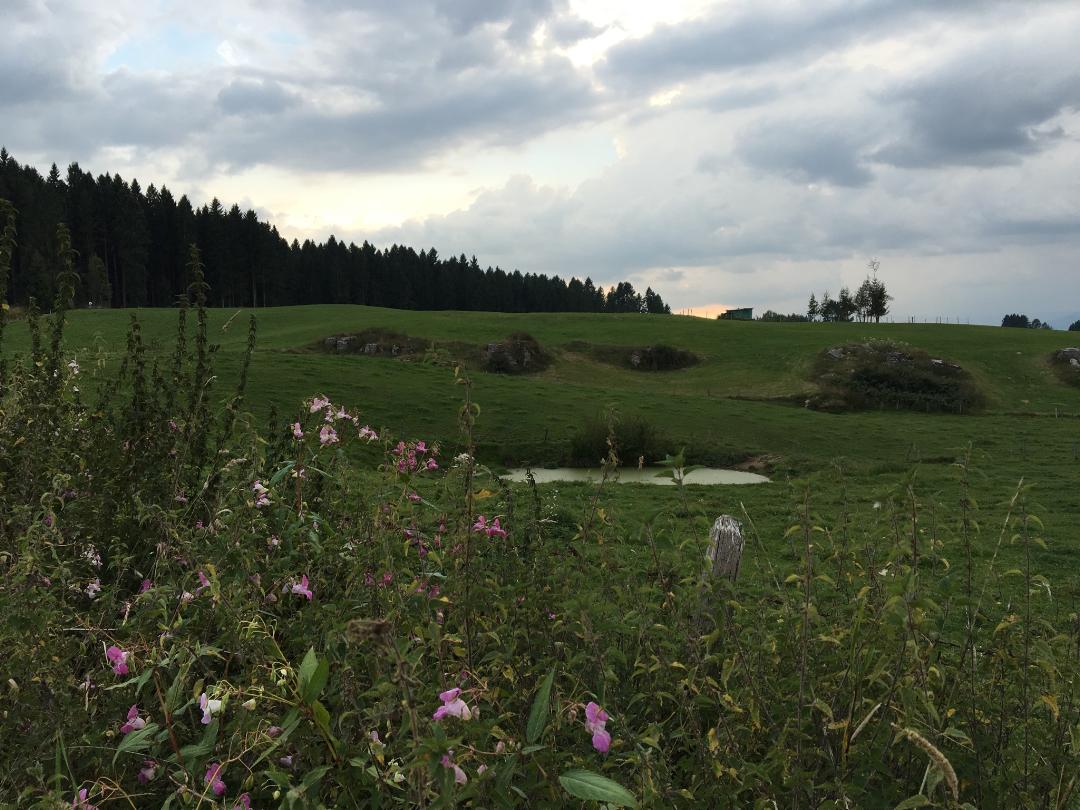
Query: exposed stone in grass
{"points": [[658, 357], [1066, 364], [886, 375], [518, 354]]}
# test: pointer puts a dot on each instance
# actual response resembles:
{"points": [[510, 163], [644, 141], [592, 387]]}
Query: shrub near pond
{"points": [[630, 436], [884, 375]]}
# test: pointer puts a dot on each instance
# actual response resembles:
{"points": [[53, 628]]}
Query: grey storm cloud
{"points": [[244, 96], [754, 33], [808, 151], [990, 106]]}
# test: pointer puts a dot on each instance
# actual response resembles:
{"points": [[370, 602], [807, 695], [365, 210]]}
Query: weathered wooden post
{"points": [[724, 554]]}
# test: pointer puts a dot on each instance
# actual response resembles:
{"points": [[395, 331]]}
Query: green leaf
{"points": [[136, 741], [313, 688], [592, 786], [914, 801], [307, 670], [538, 714], [281, 474]]}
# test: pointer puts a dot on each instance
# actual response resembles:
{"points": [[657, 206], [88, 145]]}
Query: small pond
{"points": [[632, 475]]}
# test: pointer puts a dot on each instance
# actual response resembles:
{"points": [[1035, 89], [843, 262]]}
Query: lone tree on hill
{"points": [[870, 301]]}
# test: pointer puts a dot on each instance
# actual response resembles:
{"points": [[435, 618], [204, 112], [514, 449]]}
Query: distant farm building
{"points": [[739, 314]]}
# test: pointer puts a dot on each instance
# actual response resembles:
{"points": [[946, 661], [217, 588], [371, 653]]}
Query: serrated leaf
{"points": [[594, 787], [538, 714]]}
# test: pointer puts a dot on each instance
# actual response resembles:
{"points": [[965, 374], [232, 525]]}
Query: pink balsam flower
{"points": [[327, 435], [459, 774], [368, 434], [243, 802], [301, 588], [118, 659], [453, 706], [595, 722], [318, 403], [262, 497], [147, 772], [134, 722], [297, 431], [82, 801], [213, 779]]}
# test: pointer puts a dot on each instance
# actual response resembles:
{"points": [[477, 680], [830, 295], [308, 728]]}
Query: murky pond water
{"points": [[632, 475]]}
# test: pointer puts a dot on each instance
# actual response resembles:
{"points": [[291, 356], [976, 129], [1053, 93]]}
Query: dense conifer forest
{"points": [[132, 250]]}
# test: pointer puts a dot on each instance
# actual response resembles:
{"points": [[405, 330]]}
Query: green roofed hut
{"points": [[738, 314]]}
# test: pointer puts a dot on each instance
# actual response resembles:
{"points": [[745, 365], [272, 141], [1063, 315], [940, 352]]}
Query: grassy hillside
{"points": [[743, 398]]}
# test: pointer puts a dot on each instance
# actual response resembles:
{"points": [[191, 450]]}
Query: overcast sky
{"points": [[726, 153]]}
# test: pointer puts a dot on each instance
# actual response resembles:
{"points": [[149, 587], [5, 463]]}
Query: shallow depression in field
{"points": [[633, 475]]}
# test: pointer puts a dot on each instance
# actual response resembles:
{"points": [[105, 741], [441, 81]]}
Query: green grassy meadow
{"points": [[743, 400]]}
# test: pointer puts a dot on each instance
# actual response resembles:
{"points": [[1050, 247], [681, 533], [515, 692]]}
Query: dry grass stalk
{"points": [[936, 757]]}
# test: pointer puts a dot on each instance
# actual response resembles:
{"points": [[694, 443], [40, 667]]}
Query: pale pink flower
{"points": [[431, 465], [204, 582], [414, 497], [134, 722], [147, 772], [459, 774], [318, 403], [595, 722], [118, 659], [453, 706], [262, 497], [421, 446], [368, 434], [297, 431], [213, 778], [208, 707], [94, 588], [327, 435]]}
